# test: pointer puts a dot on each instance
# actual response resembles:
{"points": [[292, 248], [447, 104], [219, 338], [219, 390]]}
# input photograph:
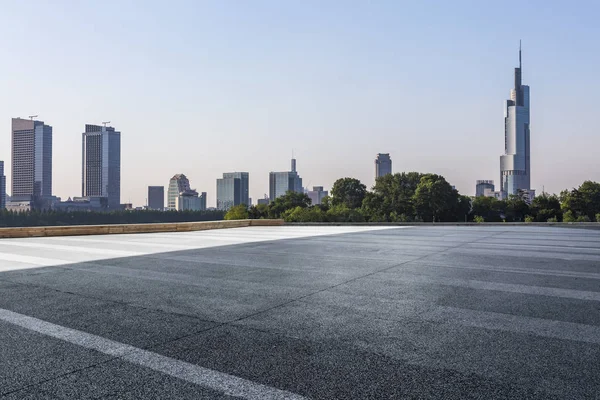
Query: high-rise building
{"points": [[317, 194], [31, 159], [156, 197], [178, 183], [282, 182], [203, 201], [101, 164], [482, 186], [188, 201], [244, 189], [515, 169], [383, 165], [2, 187], [228, 192]]}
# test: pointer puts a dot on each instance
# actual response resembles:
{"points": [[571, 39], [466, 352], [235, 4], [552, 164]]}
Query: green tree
{"points": [[237, 212], [460, 210], [434, 198], [258, 211], [303, 214], [515, 209], [568, 216], [341, 213], [545, 207], [288, 201], [489, 208], [349, 192], [392, 198], [582, 202]]}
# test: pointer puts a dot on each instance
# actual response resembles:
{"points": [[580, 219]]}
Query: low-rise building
{"points": [[188, 201], [317, 195]]}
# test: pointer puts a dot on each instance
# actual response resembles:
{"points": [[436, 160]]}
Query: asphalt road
{"points": [[303, 312]]}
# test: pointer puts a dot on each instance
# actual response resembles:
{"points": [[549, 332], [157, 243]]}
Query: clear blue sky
{"points": [[202, 88]]}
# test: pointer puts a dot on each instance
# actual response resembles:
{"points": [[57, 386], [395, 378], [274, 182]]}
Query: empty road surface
{"points": [[293, 312]]}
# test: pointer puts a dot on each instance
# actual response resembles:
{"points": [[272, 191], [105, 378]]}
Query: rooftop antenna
{"points": [[104, 123], [31, 117], [520, 54]]}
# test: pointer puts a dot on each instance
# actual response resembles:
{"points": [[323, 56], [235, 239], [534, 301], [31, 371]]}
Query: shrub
{"points": [[529, 218], [598, 217], [301, 214], [568, 216], [553, 219], [237, 212], [478, 219]]}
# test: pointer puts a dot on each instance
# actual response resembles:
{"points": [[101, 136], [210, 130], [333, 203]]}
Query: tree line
{"points": [[418, 197], [58, 218]]}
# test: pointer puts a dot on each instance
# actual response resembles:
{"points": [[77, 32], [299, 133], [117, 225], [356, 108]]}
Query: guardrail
{"points": [[76, 230]]}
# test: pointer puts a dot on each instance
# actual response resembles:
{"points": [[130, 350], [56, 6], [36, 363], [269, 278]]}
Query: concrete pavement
{"points": [[303, 312]]}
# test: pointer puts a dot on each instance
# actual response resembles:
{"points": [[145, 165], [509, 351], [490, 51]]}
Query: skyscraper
{"points": [[2, 187], [383, 165], [244, 189], [156, 197], [31, 159], [179, 183], [229, 192], [101, 164], [203, 201], [282, 182], [515, 163]]}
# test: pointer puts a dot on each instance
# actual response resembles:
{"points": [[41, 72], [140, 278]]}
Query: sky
{"points": [[206, 87]]}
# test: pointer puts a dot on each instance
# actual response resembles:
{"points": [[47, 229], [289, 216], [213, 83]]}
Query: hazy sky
{"points": [[205, 87]]}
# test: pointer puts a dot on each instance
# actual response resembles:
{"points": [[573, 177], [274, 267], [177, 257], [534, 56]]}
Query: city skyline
{"points": [[337, 96]]}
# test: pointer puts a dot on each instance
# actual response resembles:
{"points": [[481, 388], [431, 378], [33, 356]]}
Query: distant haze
{"points": [[202, 88]]}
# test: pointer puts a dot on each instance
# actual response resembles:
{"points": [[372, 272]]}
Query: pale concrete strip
{"points": [[515, 323], [502, 287], [88, 240], [154, 243], [208, 378], [72, 249], [36, 261]]}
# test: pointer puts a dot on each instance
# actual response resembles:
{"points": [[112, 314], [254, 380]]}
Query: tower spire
{"points": [[520, 54]]}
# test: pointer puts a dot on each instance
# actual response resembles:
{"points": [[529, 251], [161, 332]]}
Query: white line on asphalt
{"points": [[498, 286], [215, 380], [515, 323]]}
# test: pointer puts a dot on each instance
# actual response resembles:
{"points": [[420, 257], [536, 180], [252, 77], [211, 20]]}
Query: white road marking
{"points": [[93, 248], [497, 286], [219, 381], [515, 323]]}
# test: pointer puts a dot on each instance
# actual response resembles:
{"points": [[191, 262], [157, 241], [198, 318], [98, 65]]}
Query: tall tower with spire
{"points": [[515, 164]]}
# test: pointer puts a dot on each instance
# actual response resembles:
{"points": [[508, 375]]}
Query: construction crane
{"points": [[31, 117], [104, 123]]}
